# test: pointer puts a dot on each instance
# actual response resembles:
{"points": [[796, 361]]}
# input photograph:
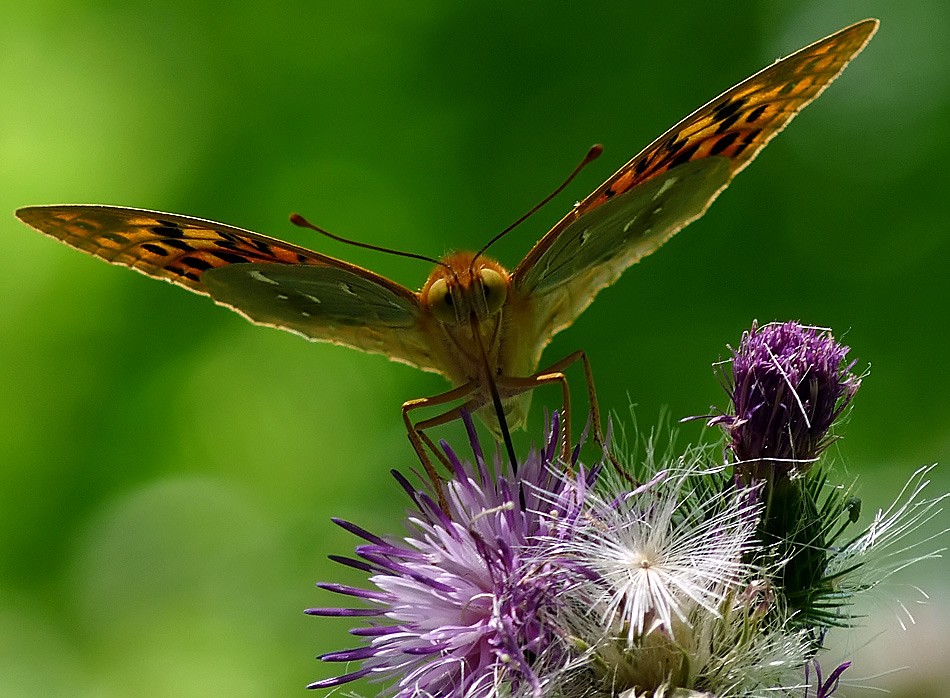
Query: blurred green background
{"points": [[167, 470]]}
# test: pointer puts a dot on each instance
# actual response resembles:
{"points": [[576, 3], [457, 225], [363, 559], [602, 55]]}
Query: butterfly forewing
{"points": [[740, 122], [732, 129], [362, 309], [165, 246], [735, 125]]}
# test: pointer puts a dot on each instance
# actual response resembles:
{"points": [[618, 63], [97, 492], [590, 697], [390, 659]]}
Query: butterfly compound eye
{"points": [[495, 288], [440, 302]]}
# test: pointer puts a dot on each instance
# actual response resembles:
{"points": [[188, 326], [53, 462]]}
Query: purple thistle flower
{"points": [[698, 583], [462, 605], [789, 384]]}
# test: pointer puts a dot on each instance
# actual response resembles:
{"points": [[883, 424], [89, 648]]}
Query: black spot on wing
{"points": [[670, 145], [261, 246], [685, 155], [229, 257], [724, 143], [155, 249], [168, 229], [751, 136], [196, 263], [178, 245], [729, 109], [756, 113], [747, 140], [727, 123]]}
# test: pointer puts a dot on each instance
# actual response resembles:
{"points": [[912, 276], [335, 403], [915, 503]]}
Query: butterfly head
{"points": [[465, 286]]}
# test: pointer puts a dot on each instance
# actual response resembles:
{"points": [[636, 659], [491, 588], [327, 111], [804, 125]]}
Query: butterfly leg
{"points": [[419, 439], [513, 386], [557, 368]]}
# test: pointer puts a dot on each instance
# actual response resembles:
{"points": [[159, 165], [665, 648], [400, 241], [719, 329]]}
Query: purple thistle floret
{"points": [[823, 689], [462, 605], [788, 385]]}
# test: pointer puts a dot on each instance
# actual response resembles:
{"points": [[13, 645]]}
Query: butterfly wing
{"points": [[618, 224], [338, 303], [268, 281]]}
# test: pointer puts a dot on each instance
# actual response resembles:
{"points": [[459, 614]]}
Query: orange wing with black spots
{"points": [[278, 285], [738, 123], [161, 245], [671, 182]]}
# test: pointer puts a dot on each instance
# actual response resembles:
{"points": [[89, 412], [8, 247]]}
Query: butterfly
{"points": [[482, 327]]}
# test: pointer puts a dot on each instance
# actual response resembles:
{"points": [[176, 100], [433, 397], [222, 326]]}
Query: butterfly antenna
{"points": [[592, 155], [302, 222]]}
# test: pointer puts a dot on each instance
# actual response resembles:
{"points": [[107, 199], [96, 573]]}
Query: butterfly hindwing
{"points": [[595, 250], [326, 303], [599, 246]]}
